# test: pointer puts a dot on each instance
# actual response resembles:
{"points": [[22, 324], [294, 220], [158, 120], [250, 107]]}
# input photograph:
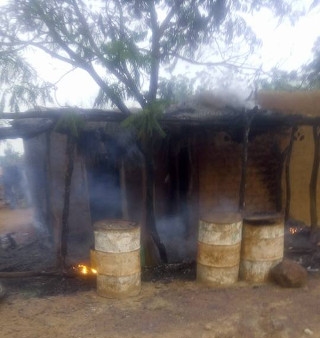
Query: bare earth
{"points": [[166, 307], [178, 309]]}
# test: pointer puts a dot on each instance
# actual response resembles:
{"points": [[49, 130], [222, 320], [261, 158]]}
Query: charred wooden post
{"points": [[287, 154], [248, 117], [314, 178]]}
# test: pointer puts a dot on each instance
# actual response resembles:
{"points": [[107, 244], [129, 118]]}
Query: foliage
{"points": [[124, 45], [19, 84], [70, 124], [312, 70], [176, 89], [146, 123], [10, 156], [282, 80]]}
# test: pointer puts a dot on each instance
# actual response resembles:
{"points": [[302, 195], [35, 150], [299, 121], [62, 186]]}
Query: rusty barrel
{"points": [[219, 244], [262, 246], [117, 258]]}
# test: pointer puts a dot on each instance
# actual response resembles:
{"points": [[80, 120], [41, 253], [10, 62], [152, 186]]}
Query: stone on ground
{"points": [[289, 274]]}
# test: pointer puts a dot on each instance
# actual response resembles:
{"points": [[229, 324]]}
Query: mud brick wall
{"points": [[220, 174], [300, 174], [304, 103]]}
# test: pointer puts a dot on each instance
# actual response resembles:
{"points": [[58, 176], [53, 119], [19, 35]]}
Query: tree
{"points": [[126, 45], [311, 74], [19, 82], [123, 44]]}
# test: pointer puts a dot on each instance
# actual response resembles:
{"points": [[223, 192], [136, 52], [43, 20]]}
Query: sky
{"points": [[285, 45]]}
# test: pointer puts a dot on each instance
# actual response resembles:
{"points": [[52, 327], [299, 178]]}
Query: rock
{"points": [[308, 332], [289, 274]]}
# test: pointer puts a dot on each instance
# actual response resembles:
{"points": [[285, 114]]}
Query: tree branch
{"points": [[127, 80], [155, 54], [54, 55], [212, 64]]}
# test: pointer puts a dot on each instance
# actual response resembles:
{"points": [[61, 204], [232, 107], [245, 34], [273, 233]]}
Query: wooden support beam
{"points": [[248, 117]]}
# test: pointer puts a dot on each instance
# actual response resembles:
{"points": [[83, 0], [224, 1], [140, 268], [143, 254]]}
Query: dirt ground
{"points": [[171, 303]]}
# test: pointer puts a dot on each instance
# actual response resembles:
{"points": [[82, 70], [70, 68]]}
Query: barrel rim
{"points": [[115, 225], [263, 219], [221, 218]]}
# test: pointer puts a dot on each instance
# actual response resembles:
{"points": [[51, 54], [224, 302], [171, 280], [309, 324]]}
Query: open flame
{"points": [[85, 270], [293, 230]]}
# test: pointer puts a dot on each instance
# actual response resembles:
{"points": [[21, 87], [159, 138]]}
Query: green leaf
{"points": [[146, 123], [71, 124]]}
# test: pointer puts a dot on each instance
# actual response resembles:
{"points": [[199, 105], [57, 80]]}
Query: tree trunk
{"points": [[150, 216], [150, 252], [66, 203]]}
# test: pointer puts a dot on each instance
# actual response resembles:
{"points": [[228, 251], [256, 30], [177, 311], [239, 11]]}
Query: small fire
{"points": [[293, 230], [85, 270]]}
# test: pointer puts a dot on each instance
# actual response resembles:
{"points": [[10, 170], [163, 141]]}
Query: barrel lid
{"points": [[115, 224], [263, 219], [221, 217]]}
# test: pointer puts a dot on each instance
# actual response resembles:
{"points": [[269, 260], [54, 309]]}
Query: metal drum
{"points": [[117, 258], [219, 244], [262, 246]]}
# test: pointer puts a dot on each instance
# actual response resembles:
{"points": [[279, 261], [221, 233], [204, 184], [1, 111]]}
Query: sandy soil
{"points": [[177, 309], [171, 304]]}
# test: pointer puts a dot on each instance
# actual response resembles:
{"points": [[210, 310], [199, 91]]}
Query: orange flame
{"points": [[85, 270]]}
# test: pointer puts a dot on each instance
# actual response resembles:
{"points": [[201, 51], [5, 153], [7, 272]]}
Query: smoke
{"points": [[225, 205], [172, 232], [220, 98]]}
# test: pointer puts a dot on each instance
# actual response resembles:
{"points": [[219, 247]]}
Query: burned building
{"points": [[212, 158]]}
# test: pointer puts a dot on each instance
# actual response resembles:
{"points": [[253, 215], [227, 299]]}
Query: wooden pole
{"points": [[288, 152], [244, 160]]}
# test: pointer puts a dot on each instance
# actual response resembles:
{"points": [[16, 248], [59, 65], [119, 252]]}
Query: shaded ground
{"points": [[171, 302]]}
